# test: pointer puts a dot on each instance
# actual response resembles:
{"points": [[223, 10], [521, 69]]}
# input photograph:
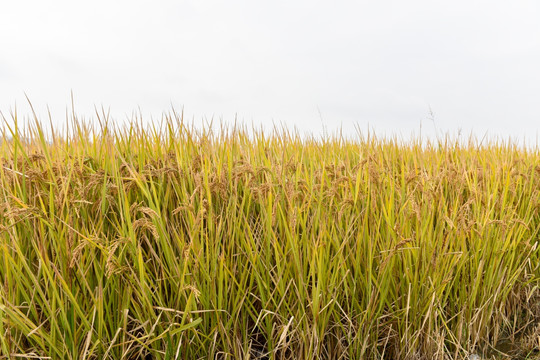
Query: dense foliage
{"points": [[168, 242]]}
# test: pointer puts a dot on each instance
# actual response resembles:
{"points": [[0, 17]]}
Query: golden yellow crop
{"points": [[169, 242]]}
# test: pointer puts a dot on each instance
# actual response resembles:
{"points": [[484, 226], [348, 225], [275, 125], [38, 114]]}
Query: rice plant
{"points": [[172, 242]]}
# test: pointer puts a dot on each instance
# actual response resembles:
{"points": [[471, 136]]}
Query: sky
{"points": [[393, 67]]}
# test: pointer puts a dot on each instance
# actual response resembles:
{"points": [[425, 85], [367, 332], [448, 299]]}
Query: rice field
{"points": [[168, 241]]}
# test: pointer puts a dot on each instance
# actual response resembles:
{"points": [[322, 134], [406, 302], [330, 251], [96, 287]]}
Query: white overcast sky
{"points": [[309, 64]]}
